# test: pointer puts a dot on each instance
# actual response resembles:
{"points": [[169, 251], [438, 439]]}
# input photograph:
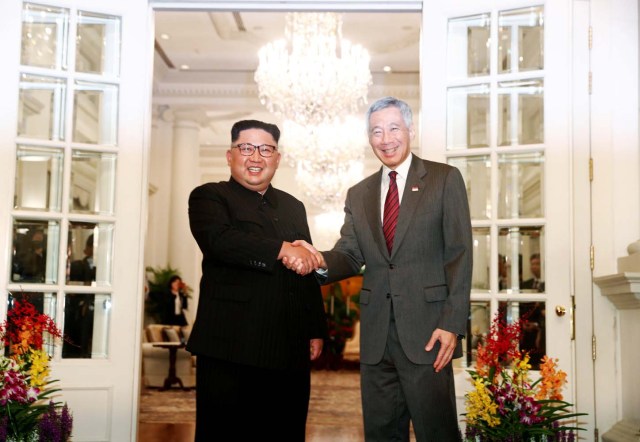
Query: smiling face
{"points": [[253, 172], [389, 136]]}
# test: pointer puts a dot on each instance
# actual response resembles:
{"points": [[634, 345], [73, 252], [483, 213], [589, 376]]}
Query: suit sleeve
{"points": [[218, 239], [458, 254], [345, 259]]}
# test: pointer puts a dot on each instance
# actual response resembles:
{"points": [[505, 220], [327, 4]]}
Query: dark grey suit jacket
{"points": [[428, 275]]}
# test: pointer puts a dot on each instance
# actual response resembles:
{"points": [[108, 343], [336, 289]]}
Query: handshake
{"points": [[301, 257]]}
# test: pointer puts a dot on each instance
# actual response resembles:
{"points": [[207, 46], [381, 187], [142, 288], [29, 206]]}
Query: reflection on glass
{"points": [[93, 177], [468, 116], [476, 171], [520, 112], [481, 258], [98, 44], [521, 40], [90, 254], [44, 36], [44, 303], [533, 279], [41, 107], [533, 338], [514, 243], [86, 325], [38, 178], [470, 36], [520, 185], [95, 108], [477, 329], [35, 251], [81, 264]]}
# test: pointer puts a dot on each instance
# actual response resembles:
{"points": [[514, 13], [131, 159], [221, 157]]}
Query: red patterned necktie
{"points": [[391, 210]]}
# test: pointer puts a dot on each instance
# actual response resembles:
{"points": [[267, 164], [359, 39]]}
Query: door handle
{"points": [[560, 310]]}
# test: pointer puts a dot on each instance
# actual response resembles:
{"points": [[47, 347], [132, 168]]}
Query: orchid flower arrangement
{"points": [[505, 404], [26, 412]]}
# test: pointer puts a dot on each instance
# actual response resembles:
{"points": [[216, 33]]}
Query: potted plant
{"points": [[27, 413], [341, 319], [505, 403]]}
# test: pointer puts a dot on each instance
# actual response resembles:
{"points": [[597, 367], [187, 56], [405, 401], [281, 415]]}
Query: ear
{"points": [[412, 133], [229, 157]]}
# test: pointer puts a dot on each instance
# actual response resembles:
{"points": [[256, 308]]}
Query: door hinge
{"points": [[590, 169], [590, 82], [596, 434], [593, 347], [590, 37], [592, 257]]}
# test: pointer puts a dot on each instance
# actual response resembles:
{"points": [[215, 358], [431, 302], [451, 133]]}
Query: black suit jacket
{"points": [[252, 310], [81, 270]]}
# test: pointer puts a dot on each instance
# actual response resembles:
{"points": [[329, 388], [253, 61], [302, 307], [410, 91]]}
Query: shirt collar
{"points": [[402, 169]]}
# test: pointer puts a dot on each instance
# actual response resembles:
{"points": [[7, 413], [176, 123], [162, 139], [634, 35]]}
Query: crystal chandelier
{"points": [[328, 158], [313, 75]]}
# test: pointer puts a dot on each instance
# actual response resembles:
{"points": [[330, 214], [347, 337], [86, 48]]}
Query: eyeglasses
{"points": [[247, 149]]}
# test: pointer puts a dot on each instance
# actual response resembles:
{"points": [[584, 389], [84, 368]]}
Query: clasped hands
{"points": [[301, 257]]}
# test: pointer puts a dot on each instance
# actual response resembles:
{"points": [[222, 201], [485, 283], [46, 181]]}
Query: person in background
{"points": [[84, 270], [534, 283], [409, 225], [31, 259], [258, 324], [174, 302]]}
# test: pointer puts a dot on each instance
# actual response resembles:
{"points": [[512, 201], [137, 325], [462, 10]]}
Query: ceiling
{"points": [[229, 41], [206, 60]]}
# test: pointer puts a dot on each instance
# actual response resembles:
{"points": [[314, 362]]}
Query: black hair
{"points": [[254, 124], [173, 278]]}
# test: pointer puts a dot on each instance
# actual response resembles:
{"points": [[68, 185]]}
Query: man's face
{"points": [[254, 172], [389, 136], [535, 267]]}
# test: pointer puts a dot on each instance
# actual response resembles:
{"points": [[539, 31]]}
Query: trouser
{"points": [[237, 402], [396, 391]]}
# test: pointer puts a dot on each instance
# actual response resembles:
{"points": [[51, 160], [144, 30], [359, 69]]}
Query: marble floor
{"points": [[334, 412]]}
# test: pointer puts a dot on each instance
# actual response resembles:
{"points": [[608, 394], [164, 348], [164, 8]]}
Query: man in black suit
{"points": [[534, 283], [409, 225], [258, 324], [84, 269]]}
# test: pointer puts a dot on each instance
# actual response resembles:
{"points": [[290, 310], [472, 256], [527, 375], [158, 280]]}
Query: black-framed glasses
{"points": [[247, 149]]}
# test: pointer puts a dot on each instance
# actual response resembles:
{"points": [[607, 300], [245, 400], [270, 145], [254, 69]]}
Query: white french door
{"points": [[76, 87], [496, 103]]}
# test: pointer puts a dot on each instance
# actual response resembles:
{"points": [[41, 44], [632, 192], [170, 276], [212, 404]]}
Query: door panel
{"points": [[496, 106], [76, 82]]}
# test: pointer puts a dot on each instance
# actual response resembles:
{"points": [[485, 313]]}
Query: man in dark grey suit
{"points": [[414, 302]]}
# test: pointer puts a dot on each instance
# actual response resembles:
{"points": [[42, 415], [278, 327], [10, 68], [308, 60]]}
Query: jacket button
{"points": [[391, 266], [388, 295]]}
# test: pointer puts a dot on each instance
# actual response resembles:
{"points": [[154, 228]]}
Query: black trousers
{"points": [[243, 403]]}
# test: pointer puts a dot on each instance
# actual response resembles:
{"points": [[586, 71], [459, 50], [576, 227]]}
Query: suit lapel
{"points": [[372, 209], [413, 191]]}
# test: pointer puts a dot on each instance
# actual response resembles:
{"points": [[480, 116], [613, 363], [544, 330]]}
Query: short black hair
{"points": [[173, 278], [254, 124]]}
